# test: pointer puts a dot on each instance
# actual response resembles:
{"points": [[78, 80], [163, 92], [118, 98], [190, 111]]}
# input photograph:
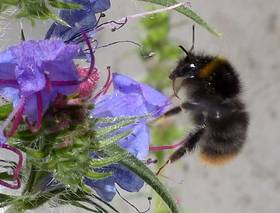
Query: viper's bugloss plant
{"points": [[73, 142]]}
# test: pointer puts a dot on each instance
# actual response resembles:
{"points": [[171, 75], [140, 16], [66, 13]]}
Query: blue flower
{"points": [[129, 98], [84, 18], [34, 72], [126, 179]]}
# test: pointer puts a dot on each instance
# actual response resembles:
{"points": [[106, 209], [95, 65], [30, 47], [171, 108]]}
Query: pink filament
{"points": [[65, 83], [92, 61], [17, 170], [166, 147], [86, 88], [8, 81], [39, 113], [17, 119], [105, 86], [108, 86], [8, 185]]}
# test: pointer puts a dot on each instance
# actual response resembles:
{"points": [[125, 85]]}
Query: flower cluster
{"points": [[35, 76], [129, 98]]}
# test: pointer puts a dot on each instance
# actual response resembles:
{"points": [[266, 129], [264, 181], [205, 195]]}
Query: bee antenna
{"points": [[193, 37], [185, 51]]}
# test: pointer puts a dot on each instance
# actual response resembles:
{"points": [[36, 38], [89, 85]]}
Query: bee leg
{"points": [[185, 106], [188, 145], [173, 111], [194, 106]]}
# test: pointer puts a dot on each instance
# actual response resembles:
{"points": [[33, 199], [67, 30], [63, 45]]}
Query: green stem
{"points": [[28, 187]]}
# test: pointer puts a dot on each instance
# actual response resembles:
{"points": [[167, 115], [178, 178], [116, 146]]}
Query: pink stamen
{"points": [[86, 88], [166, 147], [92, 57], [65, 83], [8, 185], [40, 110], [17, 170], [17, 118], [12, 114], [8, 81], [106, 85], [48, 83]]}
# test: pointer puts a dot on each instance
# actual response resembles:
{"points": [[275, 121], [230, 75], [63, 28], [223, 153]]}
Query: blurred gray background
{"points": [[251, 41]]}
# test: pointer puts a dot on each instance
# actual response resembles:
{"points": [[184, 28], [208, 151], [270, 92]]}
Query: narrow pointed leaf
{"points": [[139, 168], [5, 110], [106, 130], [64, 5], [97, 163], [5, 176], [187, 12], [97, 175], [112, 140], [119, 119]]}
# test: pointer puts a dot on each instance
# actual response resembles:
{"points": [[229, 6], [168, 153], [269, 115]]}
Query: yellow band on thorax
{"points": [[210, 67]]}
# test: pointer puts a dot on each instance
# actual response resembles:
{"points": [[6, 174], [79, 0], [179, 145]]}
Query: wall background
{"points": [[251, 40]]}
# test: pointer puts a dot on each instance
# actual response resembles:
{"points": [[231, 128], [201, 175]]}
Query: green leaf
{"points": [[148, 176], [97, 163], [64, 5], [38, 9], [79, 205], [187, 12], [97, 175], [112, 140], [5, 176], [5, 199], [5, 110], [25, 135], [36, 154], [118, 119], [106, 130]]}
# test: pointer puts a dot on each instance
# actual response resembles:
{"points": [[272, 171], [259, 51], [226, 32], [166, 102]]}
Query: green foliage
{"points": [[157, 28], [37, 9], [69, 151], [157, 40], [61, 151], [165, 134], [139, 168], [187, 12], [5, 110]]}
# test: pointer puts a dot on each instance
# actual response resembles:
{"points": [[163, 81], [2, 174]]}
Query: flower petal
{"points": [[126, 179], [29, 77], [105, 188], [154, 101], [84, 17], [137, 143], [119, 105]]}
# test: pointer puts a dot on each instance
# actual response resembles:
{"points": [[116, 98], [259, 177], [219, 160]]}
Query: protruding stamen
{"points": [[39, 113], [16, 170], [106, 85], [91, 52], [17, 114], [166, 147]]}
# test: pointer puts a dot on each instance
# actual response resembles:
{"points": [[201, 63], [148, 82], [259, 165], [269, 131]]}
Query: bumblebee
{"points": [[212, 89]]}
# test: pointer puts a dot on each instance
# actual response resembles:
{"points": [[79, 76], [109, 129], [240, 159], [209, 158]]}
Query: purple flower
{"points": [[84, 18], [129, 98], [33, 73]]}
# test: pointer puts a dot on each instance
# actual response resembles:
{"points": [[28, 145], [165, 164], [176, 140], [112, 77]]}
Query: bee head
{"points": [[188, 68]]}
